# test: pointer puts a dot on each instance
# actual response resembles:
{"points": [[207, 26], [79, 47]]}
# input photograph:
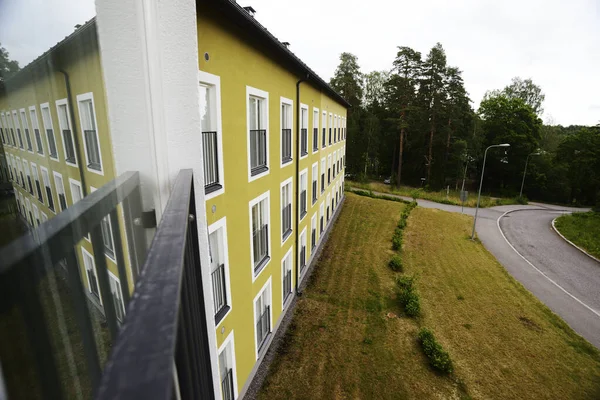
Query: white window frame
{"points": [[59, 103], [324, 125], [308, 133], [3, 129], [212, 228], [17, 125], [35, 123], [314, 223], [254, 92], [302, 240], [330, 135], [290, 104], [329, 171], [85, 253], [54, 175], [229, 342], [315, 125], [44, 216], [265, 196], [27, 172], [315, 177], [81, 98], [335, 128], [28, 212], [206, 79], [303, 173], [289, 181], [73, 182], [288, 257], [43, 169], [25, 125], [266, 286], [118, 281], [23, 209], [39, 179], [36, 214], [323, 172], [51, 127]]}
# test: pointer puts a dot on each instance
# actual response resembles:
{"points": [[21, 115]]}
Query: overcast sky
{"points": [[554, 42]]}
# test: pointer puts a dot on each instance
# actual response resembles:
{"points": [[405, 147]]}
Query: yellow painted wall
{"points": [[239, 64]]}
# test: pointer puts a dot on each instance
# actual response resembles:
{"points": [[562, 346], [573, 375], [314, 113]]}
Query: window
{"points": [[36, 130], [87, 116], [330, 126], [212, 146], [92, 276], [328, 196], [21, 176], [29, 213], [44, 216], [303, 130], [286, 273], [46, 180], [286, 209], [23, 210], [60, 191], [322, 174], [29, 184], [286, 131], [2, 127], [335, 128], [18, 129], [303, 192], [302, 253], [219, 268], [76, 192], [117, 296], [262, 316], [313, 233], [36, 214], [14, 165], [64, 125], [329, 170], [227, 369], [324, 124], [333, 164], [107, 237], [259, 226], [315, 130], [258, 133], [47, 121], [8, 123], [25, 125], [315, 186]]}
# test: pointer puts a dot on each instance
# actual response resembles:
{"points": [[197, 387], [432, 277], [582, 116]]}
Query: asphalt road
{"points": [[523, 241]]}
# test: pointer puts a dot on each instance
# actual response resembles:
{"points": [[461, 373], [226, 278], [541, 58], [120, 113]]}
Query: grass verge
{"points": [[583, 229], [439, 197], [347, 341]]}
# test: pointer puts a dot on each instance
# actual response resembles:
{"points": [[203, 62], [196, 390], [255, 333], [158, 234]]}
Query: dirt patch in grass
{"points": [[583, 229]]}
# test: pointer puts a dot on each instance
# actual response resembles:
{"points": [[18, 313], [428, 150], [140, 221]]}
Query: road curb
{"points": [[571, 243]]}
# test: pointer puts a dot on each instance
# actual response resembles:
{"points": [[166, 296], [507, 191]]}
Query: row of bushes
{"points": [[408, 296], [438, 357], [369, 193]]}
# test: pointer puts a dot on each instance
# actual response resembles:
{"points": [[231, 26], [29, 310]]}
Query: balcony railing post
{"points": [[132, 210]]}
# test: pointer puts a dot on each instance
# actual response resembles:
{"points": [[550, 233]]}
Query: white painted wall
{"points": [[149, 54]]}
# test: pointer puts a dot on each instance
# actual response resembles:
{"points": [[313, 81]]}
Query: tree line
{"points": [[415, 123]]}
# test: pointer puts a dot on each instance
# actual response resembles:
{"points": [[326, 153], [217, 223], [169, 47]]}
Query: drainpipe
{"points": [[296, 250], [75, 135]]}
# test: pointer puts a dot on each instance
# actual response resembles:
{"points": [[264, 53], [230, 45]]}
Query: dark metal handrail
{"points": [[162, 348]]}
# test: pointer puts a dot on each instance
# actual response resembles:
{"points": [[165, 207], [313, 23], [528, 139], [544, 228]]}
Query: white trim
{"points": [[63, 102], [324, 125], [304, 107], [33, 110], [54, 175], [230, 341], [51, 127], [78, 184], [288, 255], [215, 81], [81, 98], [118, 280], [288, 181], [42, 169], [266, 195], [36, 214], [84, 252], [305, 173], [260, 292], [215, 226], [25, 124], [316, 125], [250, 91], [290, 103]]}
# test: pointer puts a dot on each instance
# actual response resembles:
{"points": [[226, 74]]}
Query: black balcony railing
{"points": [[219, 292], [42, 282], [38, 141], [20, 138], [50, 199], [92, 149], [302, 203], [334, 135], [303, 141], [260, 247], [286, 145], [227, 385], [211, 162], [28, 138], [321, 225], [287, 285], [63, 201], [263, 327], [322, 182], [315, 139], [313, 238], [330, 136], [29, 184], [69, 148], [52, 143], [314, 191], [258, 151], [286, 221], [162, 351], [302, 258]]}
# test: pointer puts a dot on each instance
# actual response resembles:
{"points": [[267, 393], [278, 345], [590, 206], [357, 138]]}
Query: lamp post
{"points": [[481, 183], [537, 153]]}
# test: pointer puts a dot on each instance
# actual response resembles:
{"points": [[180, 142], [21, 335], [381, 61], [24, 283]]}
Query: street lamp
{"points": [[481, 183], [537, 153]]}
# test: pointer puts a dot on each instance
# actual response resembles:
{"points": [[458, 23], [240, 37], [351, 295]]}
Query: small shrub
{"points": [[415, 194], [438, 357], [396, 263], [397, 241], [402, 223], [521, 200], [413, 305], [408, 296]]}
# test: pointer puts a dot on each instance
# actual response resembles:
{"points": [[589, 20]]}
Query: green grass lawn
{"points": [[350, 339], [439, 197], [583, 229]]}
